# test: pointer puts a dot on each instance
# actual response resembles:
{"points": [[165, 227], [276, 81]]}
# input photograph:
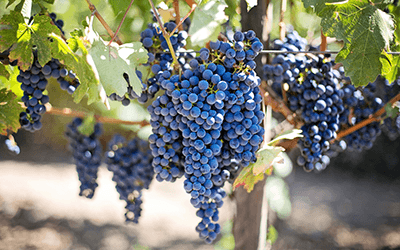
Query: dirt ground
{"points": [[347, 206]]}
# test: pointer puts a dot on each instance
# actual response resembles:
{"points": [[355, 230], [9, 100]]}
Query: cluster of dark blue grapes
{"points": [[59, 23], [319, 101], [325, 100], [206, 125], [34, 82], [391, 125], [159, 59], [292, 42], [285, 68], [360, 104], [130, 162], [87, 153]]}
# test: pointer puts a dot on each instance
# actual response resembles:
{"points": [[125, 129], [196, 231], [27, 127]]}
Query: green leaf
{"points": [[394, 71], [9, 112], [392, 111], [87, 126], [272, 235], [287, 135], [113, 61], [266, 156], [253, 173], [24, 37], [251, 4], [247, 179], [317, 5], [13, 27], [80, 65], [4, 72], [366, 31], [207, 21]]}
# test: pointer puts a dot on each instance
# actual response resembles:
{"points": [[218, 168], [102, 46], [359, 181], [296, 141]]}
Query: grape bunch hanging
{"points": [[318, 92], [207, 119]]}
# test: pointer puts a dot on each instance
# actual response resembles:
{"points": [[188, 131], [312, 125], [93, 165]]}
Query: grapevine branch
{"points": [[183, 19], [165, 33], [177, 13], [120, 24], [373, 118], [75, 113], [323, 41], [102, 21], [278, 105]]}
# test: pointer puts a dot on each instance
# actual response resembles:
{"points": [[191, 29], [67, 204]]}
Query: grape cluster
{"points": [[87, 153], [360, 104], [285, 68], [34, 82], [326, 102], [391, 125], [292, 42], [207, 124], [160, 60], [130, 162]]}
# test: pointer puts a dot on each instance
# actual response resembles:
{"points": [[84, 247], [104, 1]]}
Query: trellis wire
{"points": [[283, 52]]}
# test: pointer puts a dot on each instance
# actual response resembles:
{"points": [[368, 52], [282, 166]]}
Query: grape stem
{"points": [[120, 24], [103, 22], [373, 118], [165, 33], [75, 113]]}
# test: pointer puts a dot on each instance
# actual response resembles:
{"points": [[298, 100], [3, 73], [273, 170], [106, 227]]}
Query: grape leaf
{"points": [[251, 4], [266, 156], [247, 179], [254, 173], [13, 27], [113, 61], [80, 66], [87, 126], [317, 5], [395, 69], [4, 72], [23, 37], [366, 31], [207, 21], [9, 112], [287, 135]]}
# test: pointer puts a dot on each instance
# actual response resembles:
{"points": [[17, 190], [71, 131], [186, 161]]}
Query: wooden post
{"points": [[246, 224]]}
